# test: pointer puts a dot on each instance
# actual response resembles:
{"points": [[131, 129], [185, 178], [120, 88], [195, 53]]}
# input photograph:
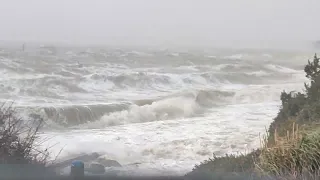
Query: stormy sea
{"points": [[152, 110]]}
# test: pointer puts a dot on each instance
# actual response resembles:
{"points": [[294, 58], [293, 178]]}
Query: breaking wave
{"points": [[97, 115], [161, 109], [119, 87]]}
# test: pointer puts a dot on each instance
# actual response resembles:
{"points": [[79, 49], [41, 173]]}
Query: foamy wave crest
{"points": [[193, 103], [258, 73], [136, 54], [139, 79], [235, 67], [281, 69], [235, 57], [53, 86], [224, 73], [69, 115], [176, 106], [157, 111]]}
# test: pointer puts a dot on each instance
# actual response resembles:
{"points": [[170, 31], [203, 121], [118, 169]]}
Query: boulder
{"points": [[67, 162], [108, 162], [96, 168]]}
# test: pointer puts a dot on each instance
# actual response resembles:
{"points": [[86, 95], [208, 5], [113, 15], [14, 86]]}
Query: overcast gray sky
{"points": [[143, 22]]}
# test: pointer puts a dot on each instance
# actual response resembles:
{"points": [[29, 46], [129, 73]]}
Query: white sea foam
{"points": [[159, 110]]}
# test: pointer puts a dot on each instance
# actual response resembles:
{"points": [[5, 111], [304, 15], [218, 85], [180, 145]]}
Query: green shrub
{"points": [[230, 163]]}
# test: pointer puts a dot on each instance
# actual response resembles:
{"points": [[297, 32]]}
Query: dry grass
{"points": [[293, 156]]}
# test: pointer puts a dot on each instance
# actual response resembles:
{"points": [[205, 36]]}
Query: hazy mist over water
{"points": [[218, 23]]}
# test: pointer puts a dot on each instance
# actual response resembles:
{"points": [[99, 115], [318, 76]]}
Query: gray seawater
{"points": [[158, 110]]}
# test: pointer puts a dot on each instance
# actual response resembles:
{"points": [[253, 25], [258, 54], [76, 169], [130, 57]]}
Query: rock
{"points": [[96, 168], [108, 162], [81, 157]]}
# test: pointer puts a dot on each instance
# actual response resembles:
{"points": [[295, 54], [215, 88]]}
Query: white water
{"points": [[162, 111]]}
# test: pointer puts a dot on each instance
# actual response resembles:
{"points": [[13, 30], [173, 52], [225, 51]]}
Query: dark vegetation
{"points": [[291, 147], [18, 139], [20, 154]]}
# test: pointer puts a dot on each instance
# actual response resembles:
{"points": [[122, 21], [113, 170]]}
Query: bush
{"points": [[227, 167], [230, 163], [18, 139], [304, 108]]}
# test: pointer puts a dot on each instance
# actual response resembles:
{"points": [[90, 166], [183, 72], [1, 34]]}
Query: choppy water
{"points": [[162, 110]]}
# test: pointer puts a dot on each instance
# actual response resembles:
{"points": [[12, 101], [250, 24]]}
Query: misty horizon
{"points": [[165, 23]]}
